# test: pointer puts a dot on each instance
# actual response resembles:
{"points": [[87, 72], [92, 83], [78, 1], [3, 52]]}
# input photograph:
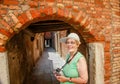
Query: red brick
{"points": [[107, 75], [116, 44], [37, 0], [2, 49], [47, 11], [75, 10], [14, 18], [50, 10], [99, 2], [2, 42], [70, 2], [3, 11], [5, 32], [89, 40], [117, 13], [10, 2], [107, 65], [67, 12], [20, 18], [50, 0], [115, 51], [107, 68], [78, 0], [61, 13], [5, 24], [0, 16], [14, 7], [33, 4], [23, 18], [35, 13], [100, 38], [107, 55], [92, 32], [107, 46], [116, 30], [71, 20], [59, 1], [68, 6], [42, 3], [81, 19], [86, 23]]}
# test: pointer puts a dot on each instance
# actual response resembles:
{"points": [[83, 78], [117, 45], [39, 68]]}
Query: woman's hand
{"points": [[61, 78]]}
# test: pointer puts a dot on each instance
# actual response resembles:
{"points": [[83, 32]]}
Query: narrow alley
{"points": [[43, 70]]}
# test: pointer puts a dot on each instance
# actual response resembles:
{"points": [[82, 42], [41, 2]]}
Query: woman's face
{"points": [[72, 45]]}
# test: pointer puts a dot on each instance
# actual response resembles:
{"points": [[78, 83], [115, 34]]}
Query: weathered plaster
{"points": [[96, 61], [4, 71]]}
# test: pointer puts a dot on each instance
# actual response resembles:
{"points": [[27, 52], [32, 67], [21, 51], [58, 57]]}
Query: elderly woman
{"points": [[75, 69]]}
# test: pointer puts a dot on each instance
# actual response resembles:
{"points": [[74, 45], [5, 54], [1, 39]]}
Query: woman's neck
{"points": [[72, 53]]}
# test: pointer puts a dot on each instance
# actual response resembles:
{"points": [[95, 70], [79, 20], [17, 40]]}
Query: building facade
{"points": [[98, 22]]}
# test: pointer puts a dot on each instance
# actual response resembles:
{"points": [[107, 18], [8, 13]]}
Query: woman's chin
{"points": [[70, 51]]}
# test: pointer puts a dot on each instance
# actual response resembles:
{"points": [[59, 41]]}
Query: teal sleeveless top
{"points": [[70, 70]]}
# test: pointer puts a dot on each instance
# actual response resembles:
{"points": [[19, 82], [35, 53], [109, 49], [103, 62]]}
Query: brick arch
{"points": [[80, 21]]}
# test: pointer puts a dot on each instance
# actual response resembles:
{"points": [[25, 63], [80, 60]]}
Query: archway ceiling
{"points": [[49, 25]]}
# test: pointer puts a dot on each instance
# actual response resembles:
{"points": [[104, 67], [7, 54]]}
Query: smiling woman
{"points": [[75, 69]]}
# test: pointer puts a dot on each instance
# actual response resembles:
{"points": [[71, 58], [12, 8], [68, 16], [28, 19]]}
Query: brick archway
{"points": [[81, 22], [93, 19]]}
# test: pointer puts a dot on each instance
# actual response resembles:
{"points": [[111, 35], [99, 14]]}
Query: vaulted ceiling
{"points": [[49, 25]]}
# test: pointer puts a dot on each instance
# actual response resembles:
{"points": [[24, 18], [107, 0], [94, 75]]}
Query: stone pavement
{"points": [[43, 71]]}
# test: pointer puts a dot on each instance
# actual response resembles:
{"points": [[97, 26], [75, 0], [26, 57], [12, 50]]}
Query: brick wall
{"points": [[115, 43], [95, 20]]}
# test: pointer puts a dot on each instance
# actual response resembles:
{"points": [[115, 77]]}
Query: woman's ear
{"points": [[79, 43]]}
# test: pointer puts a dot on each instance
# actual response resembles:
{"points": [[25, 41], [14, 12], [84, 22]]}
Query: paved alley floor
{"points": [[43, 71]]}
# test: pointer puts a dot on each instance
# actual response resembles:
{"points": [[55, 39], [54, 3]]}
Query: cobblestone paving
{"points": [[43, 71]]}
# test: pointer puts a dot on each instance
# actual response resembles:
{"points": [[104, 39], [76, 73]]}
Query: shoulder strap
{"points": [[68, 60]]}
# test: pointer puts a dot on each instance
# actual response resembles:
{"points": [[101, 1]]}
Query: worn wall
{"points": [[63, 48], [38, 46], [19, 58], [23, 53], [95, 20]]}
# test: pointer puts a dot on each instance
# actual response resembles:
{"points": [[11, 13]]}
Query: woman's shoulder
{"points": [[79, 54]]}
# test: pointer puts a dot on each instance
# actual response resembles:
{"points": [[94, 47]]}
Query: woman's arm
{"points": [[83, 72]]}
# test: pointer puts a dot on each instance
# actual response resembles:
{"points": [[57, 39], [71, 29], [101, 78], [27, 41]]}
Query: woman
{"points": [[75, 70]]}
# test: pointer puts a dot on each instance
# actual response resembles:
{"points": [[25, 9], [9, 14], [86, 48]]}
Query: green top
{"points": [[70, 70]]}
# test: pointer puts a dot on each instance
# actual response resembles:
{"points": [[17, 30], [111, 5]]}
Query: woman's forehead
{"points": [[70, 39]]}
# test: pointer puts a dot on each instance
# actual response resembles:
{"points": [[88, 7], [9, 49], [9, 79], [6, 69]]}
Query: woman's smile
{"points": [[71, 45]]}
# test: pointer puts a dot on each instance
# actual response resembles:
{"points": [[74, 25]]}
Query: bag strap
{"points": [[68, 60]]}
